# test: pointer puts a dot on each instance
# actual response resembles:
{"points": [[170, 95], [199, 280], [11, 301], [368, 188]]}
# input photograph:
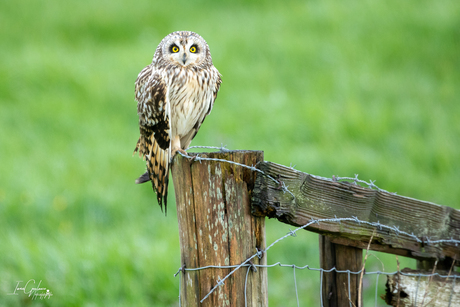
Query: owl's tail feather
{"points": [[143, 178], [157, 169]]}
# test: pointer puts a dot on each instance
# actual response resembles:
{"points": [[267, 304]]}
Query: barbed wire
{"points": [[355, 180], [252, 168], [259, 253], [223, 148]]}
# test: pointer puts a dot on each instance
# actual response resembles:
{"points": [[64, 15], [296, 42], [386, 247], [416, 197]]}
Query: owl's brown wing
{"points": [[154, 141]]}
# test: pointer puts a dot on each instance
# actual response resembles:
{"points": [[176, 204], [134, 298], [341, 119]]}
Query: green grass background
{"points": [[335, 87]]}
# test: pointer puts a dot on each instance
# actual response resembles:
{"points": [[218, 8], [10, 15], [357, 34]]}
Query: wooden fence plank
{"points": [[321, 198]]}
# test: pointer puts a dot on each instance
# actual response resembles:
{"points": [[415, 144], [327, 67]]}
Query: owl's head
{"points": [[183, 49]]}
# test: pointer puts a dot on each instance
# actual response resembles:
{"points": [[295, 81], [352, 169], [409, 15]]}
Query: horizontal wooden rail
{"points": [[318, 198]]}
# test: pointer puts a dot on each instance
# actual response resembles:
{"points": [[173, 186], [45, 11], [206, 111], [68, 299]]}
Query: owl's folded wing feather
{"points": [[154, 141]]}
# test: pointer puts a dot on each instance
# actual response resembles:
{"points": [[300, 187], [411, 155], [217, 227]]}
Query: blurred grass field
{"points": [[336, 88]]}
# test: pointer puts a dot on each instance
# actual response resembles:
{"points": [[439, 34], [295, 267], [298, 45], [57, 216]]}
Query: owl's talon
{"points": [[182, 152]]}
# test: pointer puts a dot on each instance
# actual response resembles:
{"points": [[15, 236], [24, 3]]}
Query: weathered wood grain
{"points": [[216, 228], [348, 258], [401, 290], [327, 261], [319, 198]]}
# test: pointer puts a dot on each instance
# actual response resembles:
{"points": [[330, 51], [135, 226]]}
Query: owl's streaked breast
{"points": [[190, 97]]}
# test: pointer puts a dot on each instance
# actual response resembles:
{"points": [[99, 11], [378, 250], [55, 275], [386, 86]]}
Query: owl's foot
{"points": [[174, 152], [182, 152]]}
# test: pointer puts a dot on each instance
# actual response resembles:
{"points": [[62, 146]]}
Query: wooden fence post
{"points": [[335, 285], [217, 228]]}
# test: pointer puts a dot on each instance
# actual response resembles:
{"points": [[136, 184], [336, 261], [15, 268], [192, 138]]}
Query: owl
{"points": [[174, 95]]}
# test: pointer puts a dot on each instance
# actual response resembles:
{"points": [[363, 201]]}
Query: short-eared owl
{"points": [[174, 95]]}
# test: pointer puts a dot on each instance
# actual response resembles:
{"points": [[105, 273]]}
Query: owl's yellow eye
{"points": [[193, 49], [175, 49]]}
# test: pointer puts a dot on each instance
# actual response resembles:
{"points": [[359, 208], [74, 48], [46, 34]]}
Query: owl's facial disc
{"points": [[185, 53]]}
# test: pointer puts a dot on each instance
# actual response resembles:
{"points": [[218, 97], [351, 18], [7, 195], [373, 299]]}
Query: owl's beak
{"points": [[184, 58]]}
